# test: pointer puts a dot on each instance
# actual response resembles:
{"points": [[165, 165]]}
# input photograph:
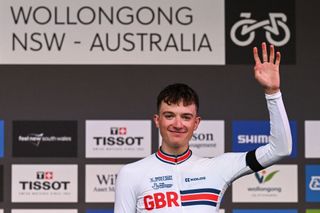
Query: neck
{"points": [[174, 150]]}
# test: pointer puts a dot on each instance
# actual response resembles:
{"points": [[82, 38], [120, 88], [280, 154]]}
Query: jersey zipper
{"points": [[178, 173]]}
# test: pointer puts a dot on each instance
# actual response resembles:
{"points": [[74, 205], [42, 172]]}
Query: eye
{"points": [[186, 117], [168, 116]]}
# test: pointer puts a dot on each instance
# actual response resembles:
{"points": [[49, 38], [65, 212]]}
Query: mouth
{"points": [[177, 132]]}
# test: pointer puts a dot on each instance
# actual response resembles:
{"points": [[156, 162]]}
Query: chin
{"points": [[177, 144]]}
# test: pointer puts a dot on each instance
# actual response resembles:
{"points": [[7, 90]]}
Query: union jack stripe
{"points": [[172, 159], [205, 196]]}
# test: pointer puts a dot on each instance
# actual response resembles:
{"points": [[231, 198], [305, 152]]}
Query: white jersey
{"points": [[187, 183]]}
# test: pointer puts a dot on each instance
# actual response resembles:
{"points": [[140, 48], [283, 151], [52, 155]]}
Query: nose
{"points": [[178, 123]]}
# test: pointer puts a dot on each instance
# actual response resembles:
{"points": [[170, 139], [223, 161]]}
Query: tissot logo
{"points": [[248, 23], [118, 139], [249, 135], [45, 175], [44, 139], [47, 183], [118, 131], [44, 183]]}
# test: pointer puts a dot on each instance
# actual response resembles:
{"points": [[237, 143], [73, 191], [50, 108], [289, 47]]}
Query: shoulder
{"points": [[135, 167], [229, 159]]}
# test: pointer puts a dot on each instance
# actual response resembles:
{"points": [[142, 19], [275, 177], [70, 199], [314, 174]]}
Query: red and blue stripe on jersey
{"points": [[173, 159]]}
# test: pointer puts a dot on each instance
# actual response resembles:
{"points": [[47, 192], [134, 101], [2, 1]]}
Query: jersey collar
{"points": [[173, 159]]}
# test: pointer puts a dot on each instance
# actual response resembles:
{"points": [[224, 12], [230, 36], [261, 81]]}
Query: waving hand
{"points": [[267, 71]]}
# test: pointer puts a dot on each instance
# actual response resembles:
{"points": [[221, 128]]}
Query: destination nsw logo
{"points": [[44, 139]]}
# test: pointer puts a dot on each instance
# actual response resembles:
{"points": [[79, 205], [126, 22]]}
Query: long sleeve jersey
{"points": [[164, 183]]}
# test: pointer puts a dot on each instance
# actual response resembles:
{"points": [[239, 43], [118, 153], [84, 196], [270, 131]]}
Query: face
{"points": [[176, 123]]}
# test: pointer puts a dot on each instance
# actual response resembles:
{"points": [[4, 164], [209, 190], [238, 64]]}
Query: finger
{"points": [[271, 59], [264, 52], [278, 58], [256, 56]]}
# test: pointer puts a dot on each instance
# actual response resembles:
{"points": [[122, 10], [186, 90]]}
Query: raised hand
{"points": [[267, 72]]}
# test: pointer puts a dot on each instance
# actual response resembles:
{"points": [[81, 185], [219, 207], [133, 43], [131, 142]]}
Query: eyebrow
{"points": [[186, 113]]}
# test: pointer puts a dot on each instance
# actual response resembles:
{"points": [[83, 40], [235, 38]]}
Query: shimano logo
{"points": [[194, 179], [315, 183], [253, 139]]}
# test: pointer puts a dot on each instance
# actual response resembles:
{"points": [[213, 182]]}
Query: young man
{"points": [[173, 180]]}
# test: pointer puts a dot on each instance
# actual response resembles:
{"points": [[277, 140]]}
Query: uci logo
{"points": [[243, 31], [315, 183]]}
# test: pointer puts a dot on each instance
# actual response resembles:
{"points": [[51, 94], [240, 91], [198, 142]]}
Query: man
{"points": [[173, 180]]}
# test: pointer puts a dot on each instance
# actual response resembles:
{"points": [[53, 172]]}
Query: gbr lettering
{"points": [[160, 200]]}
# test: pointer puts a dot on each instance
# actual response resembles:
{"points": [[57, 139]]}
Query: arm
{"points": [[125, 200], [280, 144]]}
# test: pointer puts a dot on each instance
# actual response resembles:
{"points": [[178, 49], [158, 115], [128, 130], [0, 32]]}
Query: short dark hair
{"points": [[177, 92]]}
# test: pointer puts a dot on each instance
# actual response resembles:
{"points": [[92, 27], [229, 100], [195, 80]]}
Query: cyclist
{"points": [[174, 180]]}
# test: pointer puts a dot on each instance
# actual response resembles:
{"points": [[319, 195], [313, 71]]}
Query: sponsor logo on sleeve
{"points": [[249, 135], [44, 183], [44, 139], [118, 139], [313, 183]]}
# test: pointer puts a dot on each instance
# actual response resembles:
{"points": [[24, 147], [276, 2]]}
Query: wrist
{"points": [[270, 91]]}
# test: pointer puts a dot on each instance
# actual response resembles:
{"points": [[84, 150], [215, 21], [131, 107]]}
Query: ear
{"points": [[156, 120], [197, 122]]}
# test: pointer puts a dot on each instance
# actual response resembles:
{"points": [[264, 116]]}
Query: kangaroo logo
{"points": [[245, 29], [262, 178]]}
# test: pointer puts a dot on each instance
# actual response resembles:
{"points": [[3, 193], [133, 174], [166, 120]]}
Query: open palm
{"points": [[267, 72]]}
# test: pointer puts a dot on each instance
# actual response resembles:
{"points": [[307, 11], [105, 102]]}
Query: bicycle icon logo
{"points": [[272, 26]]}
